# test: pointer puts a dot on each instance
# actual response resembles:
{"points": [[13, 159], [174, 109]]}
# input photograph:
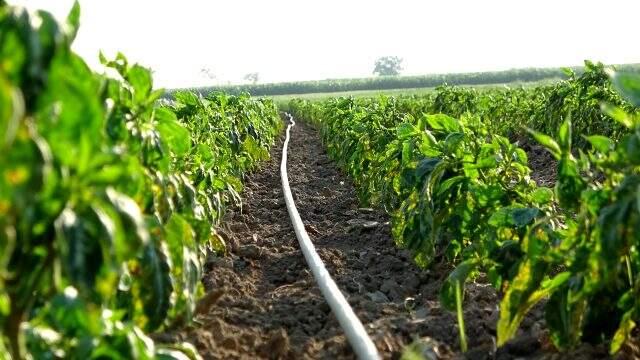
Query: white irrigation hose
{"points": [[355, 332]]}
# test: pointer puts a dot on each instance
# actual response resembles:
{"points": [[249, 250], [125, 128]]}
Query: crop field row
{"points": [[141, 224], [109, 200], [450, 169]]}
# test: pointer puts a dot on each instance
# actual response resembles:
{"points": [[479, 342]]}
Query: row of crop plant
{"points": [[449, 170], [109, 199]]}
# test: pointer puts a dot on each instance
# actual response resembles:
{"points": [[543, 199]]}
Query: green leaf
{"points": [[525, 290], [628, 85], [186, 268], [186, 98], [564, 317], [257, 152], [487, 162], [613, 220], [74, 132], [73, 21], [178, 233], [600, 143], [103, 59], [619, 115], [155, 286], [429, 144], [638, 198], [452, 141], [426, 166], [524, 216], [132, 219], [141, 81], [624, 332], [547, 142], [446, 186], [11, 111], [216, 242], [407, 152], [564, 135], [568, 72], [520, 156], [176, 137], [443, 122], [542, 196], [458, 275], [630, 147], [67, 313], [82, 256], [517, 216], [405, 131], [570, 184]]}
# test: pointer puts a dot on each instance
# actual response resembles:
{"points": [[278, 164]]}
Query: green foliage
{"points": [[459, 190], [108, 199], [596, 297], [543, 109]]}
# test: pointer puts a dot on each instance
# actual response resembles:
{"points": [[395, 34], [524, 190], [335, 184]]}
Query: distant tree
{"points": [[208, 73], [253, 77], [388, 66]]}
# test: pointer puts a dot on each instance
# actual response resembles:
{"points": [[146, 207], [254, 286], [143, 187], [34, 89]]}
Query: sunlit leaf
{"points": [[173, 134]]}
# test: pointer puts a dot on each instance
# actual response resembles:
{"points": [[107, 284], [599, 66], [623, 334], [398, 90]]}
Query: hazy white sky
{"points": [[286, 40]]}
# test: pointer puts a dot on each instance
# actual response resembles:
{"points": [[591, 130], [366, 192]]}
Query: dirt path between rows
{"points": [[268, 305]]}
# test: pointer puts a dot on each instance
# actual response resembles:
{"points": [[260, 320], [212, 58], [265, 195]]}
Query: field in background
{"points": [[283, 99], [380, 83]]}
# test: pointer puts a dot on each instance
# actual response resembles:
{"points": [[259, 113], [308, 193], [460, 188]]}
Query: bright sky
{"points": [[287, 40]]}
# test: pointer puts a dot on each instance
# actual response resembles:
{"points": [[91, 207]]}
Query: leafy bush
{"points": [[595, 297], [459, 190], [108, 200]]}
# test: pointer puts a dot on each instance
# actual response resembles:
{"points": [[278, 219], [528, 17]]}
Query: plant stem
{"points": [[629, 272], [463, 337]]}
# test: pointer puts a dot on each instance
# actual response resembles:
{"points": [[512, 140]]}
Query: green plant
{"points": [[459, 190], [595, 296], [108, 199]]}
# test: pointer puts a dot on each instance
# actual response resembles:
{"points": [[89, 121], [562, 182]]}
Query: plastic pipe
{"points": [[353, 328]]}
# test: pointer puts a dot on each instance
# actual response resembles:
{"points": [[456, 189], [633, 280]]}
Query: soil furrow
{"points": [[269, 306]]}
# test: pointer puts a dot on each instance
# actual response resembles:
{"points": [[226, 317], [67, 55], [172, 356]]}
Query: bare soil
{"points": [[544, 167], [262, 302]]}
